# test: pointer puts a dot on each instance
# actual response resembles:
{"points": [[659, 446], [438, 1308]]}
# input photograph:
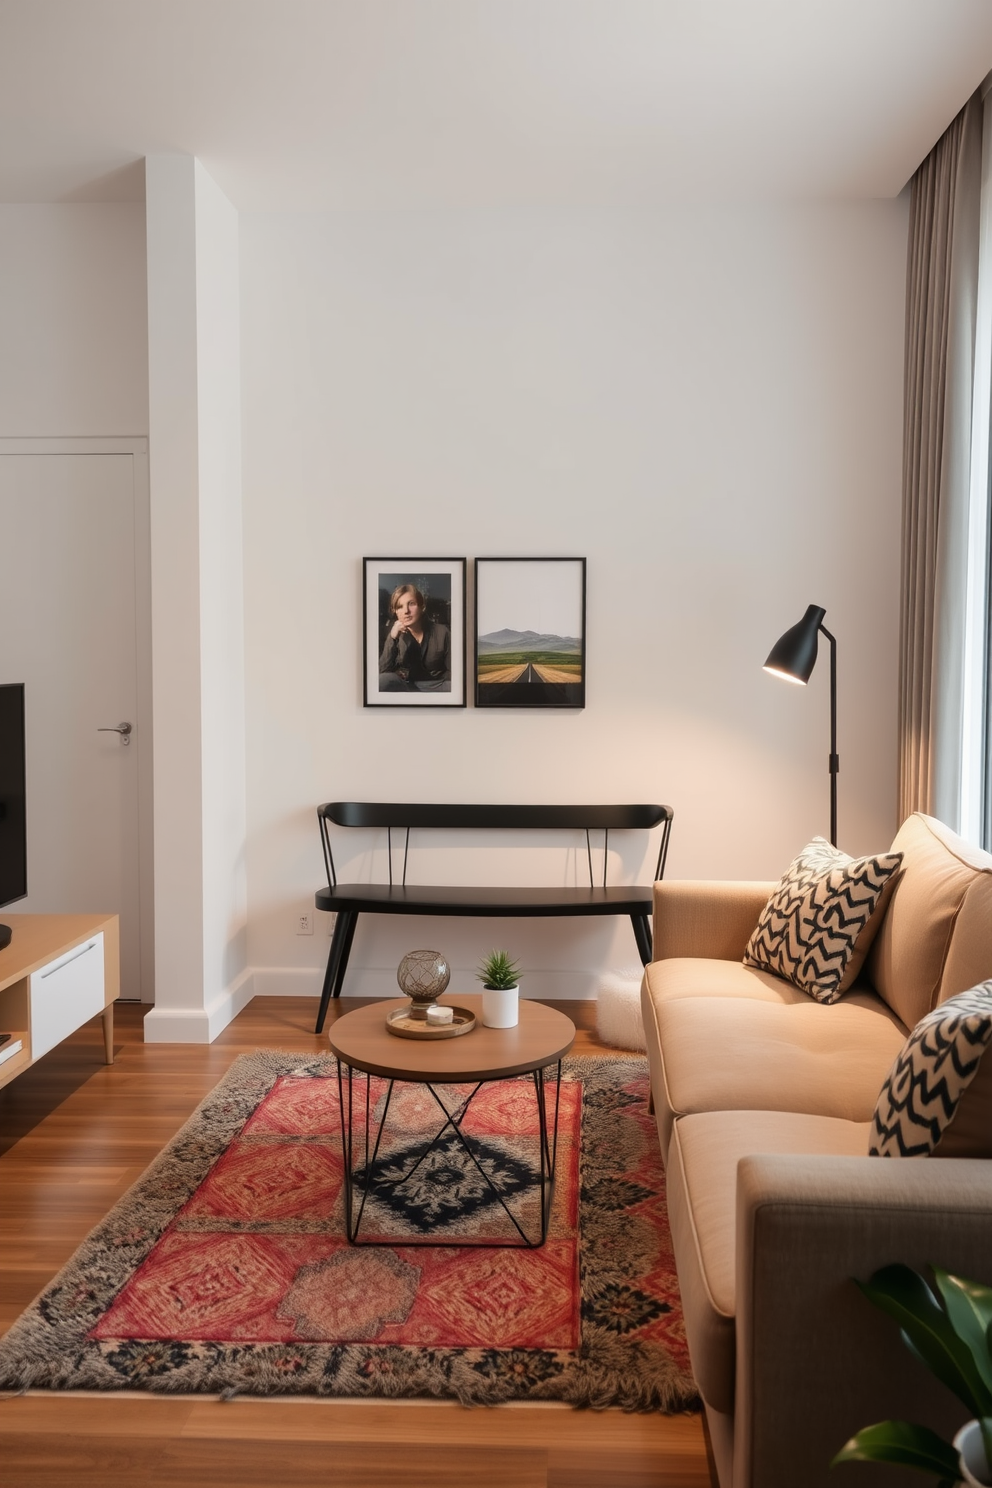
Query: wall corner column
{"points": [[201, 977]]}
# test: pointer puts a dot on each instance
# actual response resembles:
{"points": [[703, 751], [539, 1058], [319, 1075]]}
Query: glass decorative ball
{"points": [[423, 976]]}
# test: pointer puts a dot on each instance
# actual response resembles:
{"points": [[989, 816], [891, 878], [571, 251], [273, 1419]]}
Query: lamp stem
{"points": [[833, 764]]}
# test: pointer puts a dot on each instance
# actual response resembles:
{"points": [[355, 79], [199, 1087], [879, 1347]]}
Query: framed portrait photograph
{"points": [[530, 632], [414, 632]]}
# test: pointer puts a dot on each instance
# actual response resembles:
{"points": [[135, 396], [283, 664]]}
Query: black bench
{"points": [[348, 901]]}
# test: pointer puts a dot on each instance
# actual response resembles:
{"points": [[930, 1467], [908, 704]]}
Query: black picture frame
{"points": [[441, 582], [530, 633]]}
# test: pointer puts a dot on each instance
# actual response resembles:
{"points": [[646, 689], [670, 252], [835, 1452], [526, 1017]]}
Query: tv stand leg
{"points": [[108, 1032]]}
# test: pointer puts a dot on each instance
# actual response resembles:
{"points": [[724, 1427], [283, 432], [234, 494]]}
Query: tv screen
{"points": [[13, 818]]}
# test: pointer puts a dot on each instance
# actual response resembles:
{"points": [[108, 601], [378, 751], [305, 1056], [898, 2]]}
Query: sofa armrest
{"points": [[704, 917], [815, 1360]]}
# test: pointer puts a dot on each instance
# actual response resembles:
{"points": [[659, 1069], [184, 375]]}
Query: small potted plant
{"points": [[499, 976], [950, 1332]]}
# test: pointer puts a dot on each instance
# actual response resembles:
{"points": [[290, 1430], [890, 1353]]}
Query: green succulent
{"points": [[498, 971], [949, 1331]]}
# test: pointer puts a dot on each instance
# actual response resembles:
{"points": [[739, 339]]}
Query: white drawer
{"points": [[65, 994]]}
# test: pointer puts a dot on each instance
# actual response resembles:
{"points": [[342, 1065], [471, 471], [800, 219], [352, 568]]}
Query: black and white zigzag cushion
{"points": [[817, 926], [939, 1083]]}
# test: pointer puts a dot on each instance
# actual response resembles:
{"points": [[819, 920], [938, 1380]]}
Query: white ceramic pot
{"points": [[501, 1007], [971, 1456]]}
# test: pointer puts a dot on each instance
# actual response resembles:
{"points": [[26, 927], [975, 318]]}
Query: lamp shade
{"points": [[793, 655]]}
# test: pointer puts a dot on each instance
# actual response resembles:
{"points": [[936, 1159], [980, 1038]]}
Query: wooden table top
{"points": [[542, 1037]]}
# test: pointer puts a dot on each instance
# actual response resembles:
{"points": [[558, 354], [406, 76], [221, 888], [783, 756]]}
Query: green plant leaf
{"points": [[928, 1331], [498, 970], [969, 1306], [910, 1446]]}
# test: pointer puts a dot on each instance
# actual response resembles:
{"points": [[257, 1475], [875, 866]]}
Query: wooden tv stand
{"points": [[58, 972]]}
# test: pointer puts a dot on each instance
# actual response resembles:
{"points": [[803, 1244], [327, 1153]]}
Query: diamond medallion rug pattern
{"points": [[226, 1270]]}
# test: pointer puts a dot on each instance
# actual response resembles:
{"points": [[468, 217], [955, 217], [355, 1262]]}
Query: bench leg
{"points": [[337, 961], [642, 934]]}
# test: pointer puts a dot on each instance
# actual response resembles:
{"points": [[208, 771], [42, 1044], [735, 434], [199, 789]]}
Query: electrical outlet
{"points": [[304, 924]]}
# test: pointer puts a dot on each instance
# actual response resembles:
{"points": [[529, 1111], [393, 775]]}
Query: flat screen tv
{"points": [[13, 816]]}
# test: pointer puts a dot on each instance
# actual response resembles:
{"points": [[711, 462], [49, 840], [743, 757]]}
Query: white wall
{"points": [[705, 402], [73, 320]]}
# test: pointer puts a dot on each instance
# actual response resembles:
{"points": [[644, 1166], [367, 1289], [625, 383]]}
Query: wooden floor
{"points": [[74, 1135]]}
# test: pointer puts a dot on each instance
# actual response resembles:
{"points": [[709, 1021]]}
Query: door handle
{"points": [[124, 729]]}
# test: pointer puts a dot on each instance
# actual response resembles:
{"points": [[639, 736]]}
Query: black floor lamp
{"points": [[793, 657]]}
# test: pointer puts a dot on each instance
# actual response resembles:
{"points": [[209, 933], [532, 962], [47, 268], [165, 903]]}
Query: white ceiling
{"points": [[368, 104]]}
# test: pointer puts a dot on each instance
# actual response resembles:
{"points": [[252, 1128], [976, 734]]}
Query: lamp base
{"points": [[5, 935]]}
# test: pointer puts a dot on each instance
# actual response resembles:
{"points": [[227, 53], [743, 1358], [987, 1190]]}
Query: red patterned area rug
{"points": [[225, 1269]]}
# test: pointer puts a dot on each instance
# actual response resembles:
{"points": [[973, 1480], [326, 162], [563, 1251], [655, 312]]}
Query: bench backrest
{"points": [[585, 819]]}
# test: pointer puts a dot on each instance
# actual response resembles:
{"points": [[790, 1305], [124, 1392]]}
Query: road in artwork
{"points": [[543, 666]]}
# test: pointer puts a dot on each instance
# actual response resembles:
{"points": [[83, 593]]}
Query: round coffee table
{"points": [[363, 1047]]}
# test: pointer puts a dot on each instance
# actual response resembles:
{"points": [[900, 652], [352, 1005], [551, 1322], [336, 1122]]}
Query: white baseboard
{"points": [[288, 981], [299, 981], [165, 1025]]}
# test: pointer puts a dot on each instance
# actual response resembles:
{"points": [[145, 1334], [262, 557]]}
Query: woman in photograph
{"points": [[416, 655]]}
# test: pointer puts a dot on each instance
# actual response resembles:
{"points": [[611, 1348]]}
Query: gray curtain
{"points": [[941, 305]]}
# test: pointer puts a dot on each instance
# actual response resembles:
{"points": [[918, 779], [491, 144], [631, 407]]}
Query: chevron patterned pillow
{"points": [[817, 926], [926, 1088]]}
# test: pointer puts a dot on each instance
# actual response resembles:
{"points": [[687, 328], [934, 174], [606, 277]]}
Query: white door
{"points": [[68, 631]]}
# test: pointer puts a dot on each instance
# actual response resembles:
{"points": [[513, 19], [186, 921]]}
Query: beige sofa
{"points": [[764, 1100]]}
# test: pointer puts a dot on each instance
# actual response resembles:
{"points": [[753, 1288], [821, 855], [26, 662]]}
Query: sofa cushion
{"points": [[739, 1054], [702, 1196], [701, 976], [817, 926], [942, 878], [938, 1095]]}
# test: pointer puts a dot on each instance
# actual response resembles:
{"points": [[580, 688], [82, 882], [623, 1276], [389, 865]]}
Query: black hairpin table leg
{"points": [[353, 1192]]}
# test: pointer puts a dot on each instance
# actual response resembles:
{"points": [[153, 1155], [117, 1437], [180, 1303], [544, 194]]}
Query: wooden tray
{"points": [[400, 1023]]}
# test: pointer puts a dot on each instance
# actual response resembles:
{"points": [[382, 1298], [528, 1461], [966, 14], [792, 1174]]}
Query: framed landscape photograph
{"points": [[414, 632], [530, 632]]}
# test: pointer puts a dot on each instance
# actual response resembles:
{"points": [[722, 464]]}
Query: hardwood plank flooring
{"points": [[74, 1135]]}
